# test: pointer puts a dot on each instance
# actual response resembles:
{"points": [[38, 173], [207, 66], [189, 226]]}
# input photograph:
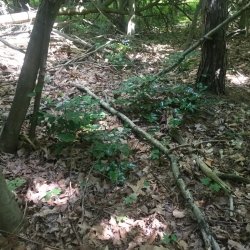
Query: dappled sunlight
{"points": [[152, 55], [92, 178], [13, 59], [238, 78], [119, 228], [51, 193]]}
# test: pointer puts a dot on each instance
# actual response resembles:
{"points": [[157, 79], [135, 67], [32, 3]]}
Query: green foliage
{"points": [[169, 238], [75, 120], [149, 97], [131, 199], [69, 119], [118, 57], [15, 183], [34, 3], [155, 154], [112, 159], [52, 193], [212, 185]]}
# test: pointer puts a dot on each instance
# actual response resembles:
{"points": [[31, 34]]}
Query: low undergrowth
{"points": [[151, 97]]}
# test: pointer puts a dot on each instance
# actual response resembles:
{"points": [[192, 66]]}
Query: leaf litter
{"points": [[70, 206]]}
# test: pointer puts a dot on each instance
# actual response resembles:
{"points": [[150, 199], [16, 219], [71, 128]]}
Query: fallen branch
{"points": [[11, 46], [195, 144], [201, 40], [207, 236], [80, 58], [209, 240], [212, 175], [17, 17], [75, 40], [233, 177]]}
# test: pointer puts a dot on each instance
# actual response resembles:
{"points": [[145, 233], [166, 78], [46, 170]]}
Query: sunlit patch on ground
{"points": [[238, 79], [65, 214]]}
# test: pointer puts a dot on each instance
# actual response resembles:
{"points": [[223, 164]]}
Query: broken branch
{"points": [[209, 240]]}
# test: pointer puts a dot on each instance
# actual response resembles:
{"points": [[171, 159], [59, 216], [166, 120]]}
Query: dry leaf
{"points": [[236, 245], [179, 214], [138, 188], [183, 245]]}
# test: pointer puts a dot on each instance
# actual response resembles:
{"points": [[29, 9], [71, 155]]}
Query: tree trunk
{"points": [[26, 83], [131, 22], [10, 214], [244, 22], [212, 68]]}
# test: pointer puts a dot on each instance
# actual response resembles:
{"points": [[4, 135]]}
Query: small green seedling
{"points": [[131, 199], [212, 185], [16, 183], [155, 154], [169, 238], [51, 193]]}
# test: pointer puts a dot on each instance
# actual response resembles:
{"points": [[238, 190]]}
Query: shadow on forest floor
{"points": [[101, 215]]}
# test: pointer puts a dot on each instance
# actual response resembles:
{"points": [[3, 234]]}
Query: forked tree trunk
{"points": [[10, 214], [212, 68], [26, 83]]}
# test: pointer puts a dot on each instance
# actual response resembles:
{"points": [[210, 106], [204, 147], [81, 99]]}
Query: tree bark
{"points": [[244, 22], [44, 21], [10, 214], [212, 68]]}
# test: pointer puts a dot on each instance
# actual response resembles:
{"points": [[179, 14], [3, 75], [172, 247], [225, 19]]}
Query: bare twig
{"points": [[233, 177], [79, 58], [76, 40], [194, 144], [212, 174], [11, 46]]}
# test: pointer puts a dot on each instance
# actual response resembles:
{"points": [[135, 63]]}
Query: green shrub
{"points": [[149, 97], [68, 120], [118, 57], [212, 185], [15, 183], [76, 120], [112, 159]]}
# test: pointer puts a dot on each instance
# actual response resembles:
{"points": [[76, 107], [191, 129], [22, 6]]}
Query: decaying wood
{"points": [[209, 241], [205, 230], [212, 174], [233, 177]]}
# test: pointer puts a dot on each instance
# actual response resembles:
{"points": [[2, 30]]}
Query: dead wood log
{"points": [[209, 240], [11, 46], [17, 17]]}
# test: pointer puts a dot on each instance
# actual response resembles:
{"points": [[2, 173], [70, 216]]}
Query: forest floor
{"points": [[70, 205]]}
